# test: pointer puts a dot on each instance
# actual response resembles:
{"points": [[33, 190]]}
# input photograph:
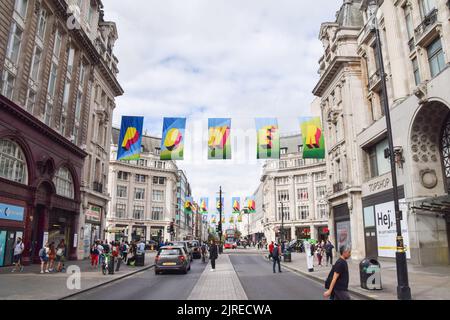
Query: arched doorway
{"points": [[445, 152]]}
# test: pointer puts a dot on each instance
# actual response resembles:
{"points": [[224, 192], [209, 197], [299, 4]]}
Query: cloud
{"points": [[221, 58]]}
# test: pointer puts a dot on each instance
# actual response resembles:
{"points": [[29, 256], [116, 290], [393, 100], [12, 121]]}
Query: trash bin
{"points": [[140, 259], [287, 256], [111, 265], [370, 274]]}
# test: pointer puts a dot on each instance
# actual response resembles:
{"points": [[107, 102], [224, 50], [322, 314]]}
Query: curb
{"points": [[107, 282], [320, 280]]}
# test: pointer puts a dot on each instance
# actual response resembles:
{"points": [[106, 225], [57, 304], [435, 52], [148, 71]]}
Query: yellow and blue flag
{"points": [[130, 138]]}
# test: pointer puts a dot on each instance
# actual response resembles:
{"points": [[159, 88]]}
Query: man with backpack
{"points": [[276, 254], [337, 281]]}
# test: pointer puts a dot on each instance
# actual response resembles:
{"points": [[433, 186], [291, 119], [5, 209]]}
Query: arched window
{"points": [[445, 147], [13, 164], [64, 183]]}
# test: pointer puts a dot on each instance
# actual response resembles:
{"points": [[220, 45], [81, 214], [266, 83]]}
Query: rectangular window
{"points": [[426, 6], [42, 24], [57, 45], [75, 135], [139, 194], [62, 124], [302, 194], [52, 80], [409, 22], [121, 191], [301, 179], [159, 180], [158, 195], [70, 60], [321, 192], [303, 212], [140, 178], [36, 63], [282, 181], [283, 151], [435, 57], [416, 71], [285, 210], [138, 212], [142, 162], [322, 209], [378, 164], [15, 38], [31, 100], [66, 94], [157, 151], [21, 7], [8, 84], [78, 106], [320, 176], [121, 210], [283, 195], [48, 114], [122, 176], [157, 213]]}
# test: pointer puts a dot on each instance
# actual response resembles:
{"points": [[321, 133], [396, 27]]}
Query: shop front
{"points": [[303, 233], [39, 185], [139, 233], [92, 227], [156, 233], [323, 233]]}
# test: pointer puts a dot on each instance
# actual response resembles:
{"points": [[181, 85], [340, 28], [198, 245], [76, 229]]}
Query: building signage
{"points": [[94, 213], [377, 185], [10, 212], [387, 231]]}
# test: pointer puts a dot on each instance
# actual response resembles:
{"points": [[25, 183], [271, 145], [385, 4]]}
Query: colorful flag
{"points": [[213, 219], [218, 205], [313, 138], [223, 220], [219, 146], [172, 142], [129, 144], [204, 205], [268, 138], [239, 218], [250, 204], [236, 205], [188, 205]]}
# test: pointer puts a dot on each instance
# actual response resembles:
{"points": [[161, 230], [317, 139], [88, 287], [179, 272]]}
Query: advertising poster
{"points": [[343, 234], [387, 230], [129, 147], [236, 205], [2, 247], [219, 144], [189, 205], [268, 138], [172, 142], [313, 138], [10, 212]]}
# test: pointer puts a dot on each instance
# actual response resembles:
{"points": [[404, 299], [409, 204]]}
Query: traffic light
{"points": [[171, 228]]}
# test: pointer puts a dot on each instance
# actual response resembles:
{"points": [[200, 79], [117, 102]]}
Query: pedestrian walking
{"points": [[116, 255], [51, 257], [43, 256], [94, 255], [213, 254], [124, 251], [337, 281], [276, 254], [18, 250], [271, 246], [100, 250], [60, 256], [329, 252], [319, 253]]}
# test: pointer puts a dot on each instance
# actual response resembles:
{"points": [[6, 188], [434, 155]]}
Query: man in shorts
{"points": [[18, 250]]}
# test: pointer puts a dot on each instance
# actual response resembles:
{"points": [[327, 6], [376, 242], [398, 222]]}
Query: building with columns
{"points": [[143, 194], [57, 65], [295, 186], [415, 42]]}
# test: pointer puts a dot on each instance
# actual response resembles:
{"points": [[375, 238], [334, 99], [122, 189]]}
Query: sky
{"points": [[236, 59]]}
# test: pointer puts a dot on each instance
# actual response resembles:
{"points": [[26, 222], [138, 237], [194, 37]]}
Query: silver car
{"points": [[172, 258]]}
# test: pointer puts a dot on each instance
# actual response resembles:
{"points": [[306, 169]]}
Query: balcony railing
{"points": [[428, 22], [97, 186], [337, 187]]}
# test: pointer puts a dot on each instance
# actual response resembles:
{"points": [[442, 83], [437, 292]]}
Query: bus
{"points": [[230, 239]]}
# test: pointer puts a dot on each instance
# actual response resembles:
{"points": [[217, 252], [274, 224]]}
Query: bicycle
{"points": [[105, 263]]}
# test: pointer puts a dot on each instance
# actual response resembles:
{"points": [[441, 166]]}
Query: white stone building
{"points": [[143, 194], [300, 186], [415, 38]]}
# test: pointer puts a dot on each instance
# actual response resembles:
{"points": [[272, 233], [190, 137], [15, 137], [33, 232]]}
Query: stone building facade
{"points": [[415, 45], [57, 63]]}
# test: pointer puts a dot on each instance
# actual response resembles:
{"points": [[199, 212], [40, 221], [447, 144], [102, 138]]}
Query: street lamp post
{"points": [[282, 222], [220, 220], [403, 289]]}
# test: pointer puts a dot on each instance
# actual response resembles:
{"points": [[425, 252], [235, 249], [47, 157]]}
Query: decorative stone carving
{"points": [[428, 178]]}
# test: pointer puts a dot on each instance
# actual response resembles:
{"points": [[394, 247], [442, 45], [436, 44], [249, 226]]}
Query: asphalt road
{"points": [[260, 283], [148, 286]]}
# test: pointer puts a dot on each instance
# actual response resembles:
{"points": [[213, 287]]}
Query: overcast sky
{"points": [[218, 58]]}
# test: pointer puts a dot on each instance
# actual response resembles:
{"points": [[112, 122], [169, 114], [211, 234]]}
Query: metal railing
{"points": [[338, 187], [97, 186], [428, 22], [374, 79]]}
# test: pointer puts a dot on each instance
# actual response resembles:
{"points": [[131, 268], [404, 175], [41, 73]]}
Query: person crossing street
{"points": [[276, 254]]}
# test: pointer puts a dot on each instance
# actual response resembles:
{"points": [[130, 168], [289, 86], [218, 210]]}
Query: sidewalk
{"points": [[426, 283], [31, 285], [222, 284]]}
